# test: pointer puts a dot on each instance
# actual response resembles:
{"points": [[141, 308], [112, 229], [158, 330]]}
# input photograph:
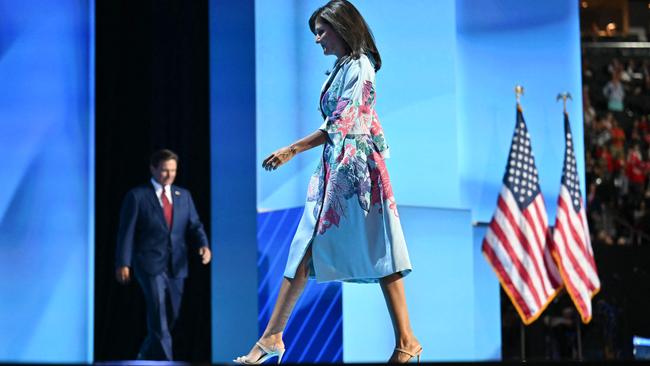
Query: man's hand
{"points": [[205, 254], [123, 275]]}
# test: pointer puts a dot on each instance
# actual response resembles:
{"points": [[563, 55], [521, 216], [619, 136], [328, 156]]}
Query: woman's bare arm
{"points": [[286, 153]]}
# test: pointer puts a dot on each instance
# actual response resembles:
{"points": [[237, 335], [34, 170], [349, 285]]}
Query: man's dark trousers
{"points": [[162, 295]]}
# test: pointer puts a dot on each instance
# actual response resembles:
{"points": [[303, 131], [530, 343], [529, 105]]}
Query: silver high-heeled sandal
{"points": [[411, 354], [268, 353]]}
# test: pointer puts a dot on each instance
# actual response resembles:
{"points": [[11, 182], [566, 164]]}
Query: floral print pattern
{"points": [[352, 164], [350, 219]]}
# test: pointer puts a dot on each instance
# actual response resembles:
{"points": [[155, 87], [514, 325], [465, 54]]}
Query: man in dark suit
{"points": [[157, 222]]}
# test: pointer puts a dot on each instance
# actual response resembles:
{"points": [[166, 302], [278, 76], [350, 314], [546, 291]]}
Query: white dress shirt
{"points": [[159, 188]]}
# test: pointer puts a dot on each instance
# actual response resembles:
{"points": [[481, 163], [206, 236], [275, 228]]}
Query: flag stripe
{"points": [[585, 228], [535, 222], [541, 211], [576, 230], [569, 283], [529, 242], [556, 277], [575, 249], [553, 272], [506, 246], [583, 266], [515, 296], [567, 251], [540, 253], [576, 277], [525, 254]]}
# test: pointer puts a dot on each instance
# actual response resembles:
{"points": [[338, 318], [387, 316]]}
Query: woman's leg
{"points": [[393, 288], [290, 291]]}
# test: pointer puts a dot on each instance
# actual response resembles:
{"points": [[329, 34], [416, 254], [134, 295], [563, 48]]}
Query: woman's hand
{"points": [[285, 154], [279, 157]]}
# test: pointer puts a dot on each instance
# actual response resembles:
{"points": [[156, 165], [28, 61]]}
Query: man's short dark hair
{"points": [[162, 155]]}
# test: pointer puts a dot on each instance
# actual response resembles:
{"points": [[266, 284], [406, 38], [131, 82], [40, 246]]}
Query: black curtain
{"points": [[152, 91]]}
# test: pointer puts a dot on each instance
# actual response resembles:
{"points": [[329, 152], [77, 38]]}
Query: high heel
{"points": [[268, 353], [411, 354]]}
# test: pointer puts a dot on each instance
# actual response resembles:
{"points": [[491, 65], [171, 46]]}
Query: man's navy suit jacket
{"points": [[145, 243]]}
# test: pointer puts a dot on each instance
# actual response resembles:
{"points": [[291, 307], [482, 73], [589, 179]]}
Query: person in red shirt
{"points": [[635, 169], [618, 138]]}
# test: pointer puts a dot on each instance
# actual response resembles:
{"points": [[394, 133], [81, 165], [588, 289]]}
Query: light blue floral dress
{"points": [[350, 217]]}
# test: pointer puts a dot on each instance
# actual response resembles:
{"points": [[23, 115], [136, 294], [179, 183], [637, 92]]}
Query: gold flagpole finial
{"points": [[519, 91], [564, 96]]}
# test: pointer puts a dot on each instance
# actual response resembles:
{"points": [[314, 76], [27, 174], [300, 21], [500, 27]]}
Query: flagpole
{"points": [[519, 91], [522, 333], [579, 336]]}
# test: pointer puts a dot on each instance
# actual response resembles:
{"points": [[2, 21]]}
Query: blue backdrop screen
{"points": [[502, 43], [415, 96], [46, 210]]}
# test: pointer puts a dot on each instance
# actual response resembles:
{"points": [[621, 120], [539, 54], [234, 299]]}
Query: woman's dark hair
{"points": [[348, 23], [162, 155]]}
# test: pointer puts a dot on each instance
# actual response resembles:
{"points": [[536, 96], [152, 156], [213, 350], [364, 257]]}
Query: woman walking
{"points": [[350, 228]]}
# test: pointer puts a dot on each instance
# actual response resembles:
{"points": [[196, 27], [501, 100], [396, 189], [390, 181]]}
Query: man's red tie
{"points": [[167, 208]]}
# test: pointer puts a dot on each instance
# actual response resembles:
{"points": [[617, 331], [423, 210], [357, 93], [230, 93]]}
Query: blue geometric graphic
{"points": [[46, 205], [314, 332]]}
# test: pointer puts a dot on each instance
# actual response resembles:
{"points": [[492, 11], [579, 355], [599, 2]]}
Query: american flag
{"points": [[571, 246], [515, 244]]}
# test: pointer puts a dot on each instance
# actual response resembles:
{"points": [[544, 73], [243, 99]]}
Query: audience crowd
{"points": [[616, 103]]}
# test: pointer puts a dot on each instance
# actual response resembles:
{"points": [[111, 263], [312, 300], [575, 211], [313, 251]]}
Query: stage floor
{"points": [[179, 363]]}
